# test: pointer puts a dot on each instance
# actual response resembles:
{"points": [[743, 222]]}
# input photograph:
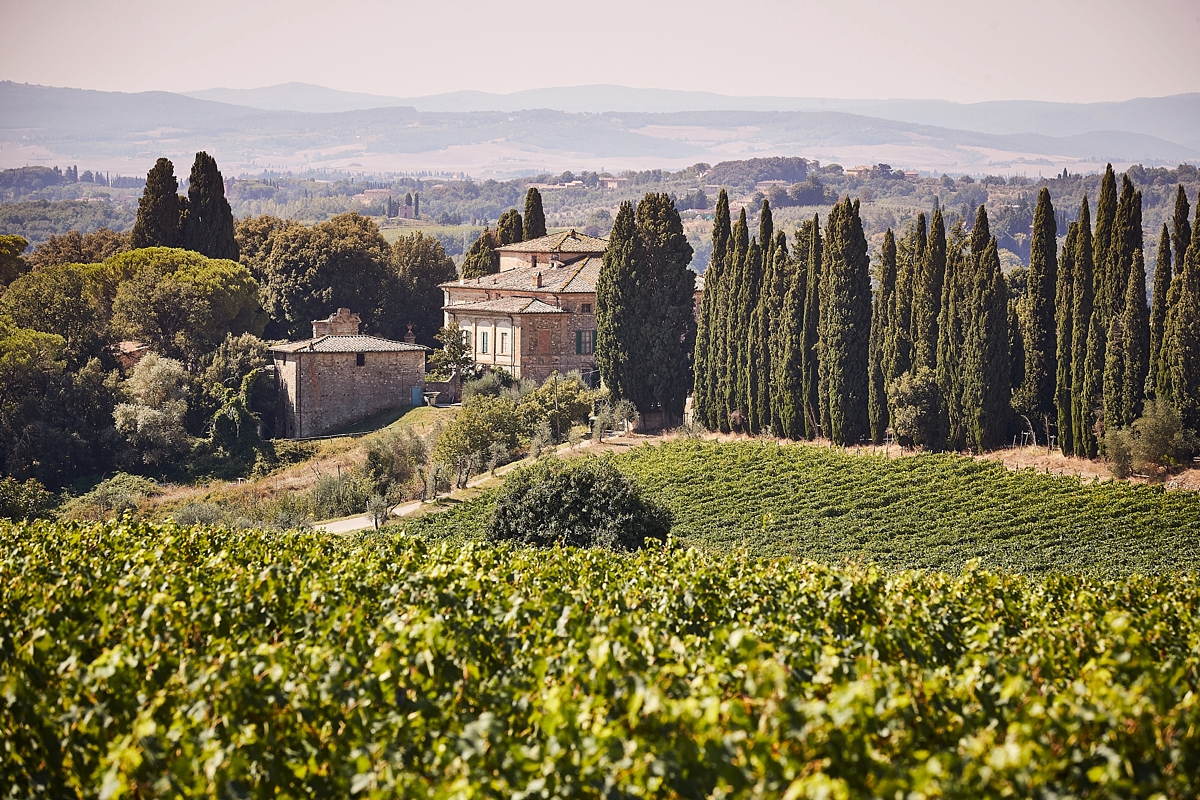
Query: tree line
{"points": [[944, 350], [203, 293]]}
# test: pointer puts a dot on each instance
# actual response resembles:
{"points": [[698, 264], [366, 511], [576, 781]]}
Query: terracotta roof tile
{"points": [[577, 277], [570, 242], [346, 344], [508, 305]]}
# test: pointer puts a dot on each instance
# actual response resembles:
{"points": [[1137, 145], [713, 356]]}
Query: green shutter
{"points": [[578, 343]]}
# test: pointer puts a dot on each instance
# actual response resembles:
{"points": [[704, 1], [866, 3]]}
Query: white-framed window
{"points": [[483, 341], [466, 338], [502, 343]]}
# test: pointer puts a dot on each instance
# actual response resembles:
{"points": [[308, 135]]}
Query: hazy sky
{"points": [[1068, 50]]}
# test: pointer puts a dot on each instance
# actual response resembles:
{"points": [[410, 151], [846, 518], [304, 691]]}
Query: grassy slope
{"points": [[925, 512]]}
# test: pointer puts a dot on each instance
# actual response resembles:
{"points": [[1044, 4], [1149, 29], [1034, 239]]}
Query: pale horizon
{"points": [[874, 50]]}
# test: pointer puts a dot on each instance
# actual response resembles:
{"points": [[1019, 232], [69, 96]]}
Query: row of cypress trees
{"points": [[798, 345], [202, 221], [783, 337]]}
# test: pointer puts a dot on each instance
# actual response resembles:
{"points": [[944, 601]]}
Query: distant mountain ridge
{"points": [[1174, 118], [124, 132]]}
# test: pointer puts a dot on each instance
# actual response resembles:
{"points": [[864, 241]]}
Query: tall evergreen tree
{"points": [[663, 305], [534, 224], [1106, 213], [1083, 335], [810, 378], [482, 259], [208, 225], [985, 364], [708, 331], [616, 328], [787, 364], [1064, 305], [1135, 322], [160, 209], [951, 334], [981, 233], [881, 330], [1159, 370], [1182, 338], [1036, 396], [748, 383], [898, 350], [927, 296], [1182, 229], [1126, 237], [734, 341], [509, 229], [766, 229], [770, 313], [845, 324]]}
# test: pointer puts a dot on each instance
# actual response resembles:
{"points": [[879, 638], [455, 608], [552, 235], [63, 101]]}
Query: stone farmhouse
{"points": [[537, 315], [341, 376]]}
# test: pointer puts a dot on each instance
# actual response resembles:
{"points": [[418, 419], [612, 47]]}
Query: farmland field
{"points": [[922, 512], [146, 660]]}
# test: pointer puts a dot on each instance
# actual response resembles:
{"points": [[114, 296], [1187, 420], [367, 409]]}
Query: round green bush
{"points": [[583, 502]]}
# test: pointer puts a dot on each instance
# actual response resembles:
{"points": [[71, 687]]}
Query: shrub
{"points": [[916, 404], [199, 514], [585, 502], [562, 400], [21, 501], [111, 498], [466, 443], [394, 459], [1155, 442]]}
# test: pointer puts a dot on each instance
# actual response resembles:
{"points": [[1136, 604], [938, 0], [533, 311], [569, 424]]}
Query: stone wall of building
{"points": [[322, 392]]}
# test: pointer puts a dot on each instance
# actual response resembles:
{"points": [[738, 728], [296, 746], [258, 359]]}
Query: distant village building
{"points": [[766, 186], [613, 183], [538, 314], [341, 376]]}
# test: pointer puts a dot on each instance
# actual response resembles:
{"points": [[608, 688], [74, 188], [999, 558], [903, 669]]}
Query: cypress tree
{"points": [[1064, 305], [208, 225], [708, 339], [927, 296], [810, 375], [985, 362], [898, 352], [733, 379], [1083, 362], [615, 325], [1036, 395], [1135, 322], [160, 209], [1159, 371], [1106, 212], [534, 224], [662, 304], [766, 229], [1182, 228], [748, 375], [1182, 338], [981, 234], [881, 329], [482, 259], [845, 324], [787, 364], [1126, 237], [1181, 238], [509, 229], [770, 314], [951, 335]]}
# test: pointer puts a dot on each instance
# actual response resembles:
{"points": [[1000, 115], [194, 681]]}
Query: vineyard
{"points": [[923, 512], [144, 660]]}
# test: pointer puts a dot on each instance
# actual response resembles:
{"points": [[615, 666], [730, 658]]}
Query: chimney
{"points": [[537, 280], [343, 323]]}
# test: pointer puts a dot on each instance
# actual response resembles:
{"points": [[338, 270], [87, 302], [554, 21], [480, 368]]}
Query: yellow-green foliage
{"points": [[143, 660]]}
